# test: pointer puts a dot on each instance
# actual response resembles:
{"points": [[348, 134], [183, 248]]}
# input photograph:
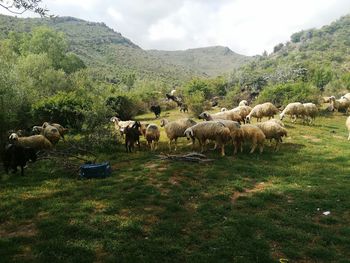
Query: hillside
{"points": [[212, 61], [108, 51]]}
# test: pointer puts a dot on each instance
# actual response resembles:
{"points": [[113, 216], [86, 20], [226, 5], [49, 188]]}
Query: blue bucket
{"points": [[98, 170]]}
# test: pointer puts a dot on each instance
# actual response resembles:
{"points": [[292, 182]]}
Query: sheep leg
{"points": [[277, 144], [215, 146], [254, 144], [261, 147], [175, 144], [223, 150], [349, 137]]}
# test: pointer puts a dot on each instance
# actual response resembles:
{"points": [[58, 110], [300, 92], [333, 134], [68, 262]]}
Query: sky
{"points": [[247, 27]]}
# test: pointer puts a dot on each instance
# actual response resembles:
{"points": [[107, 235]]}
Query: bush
{"points": [[197, 103], [123, 106], [65, 108], [282, 94]]}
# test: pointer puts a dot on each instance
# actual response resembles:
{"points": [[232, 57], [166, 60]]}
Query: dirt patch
{"points": [[25, 229], [260, 187], [311, 138], [155, 166]]}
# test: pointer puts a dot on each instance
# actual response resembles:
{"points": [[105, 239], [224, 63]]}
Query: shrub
{"points": [[283, 94], [197, 103], [65, 108], [123, 106]]}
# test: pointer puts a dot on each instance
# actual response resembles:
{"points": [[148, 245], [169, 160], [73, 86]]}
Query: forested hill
{"points": [[102, 48], [212, 61]]}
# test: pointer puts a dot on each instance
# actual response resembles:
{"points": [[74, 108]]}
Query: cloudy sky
{"points": [[246, 26]]}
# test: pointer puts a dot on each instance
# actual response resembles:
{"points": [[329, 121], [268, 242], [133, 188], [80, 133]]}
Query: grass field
{"points": [[244, 208]]}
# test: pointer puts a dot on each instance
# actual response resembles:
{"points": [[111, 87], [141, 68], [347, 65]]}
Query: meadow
{"points": [[243, 208]]}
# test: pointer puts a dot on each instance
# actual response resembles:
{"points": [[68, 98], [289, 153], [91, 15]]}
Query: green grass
{"points": [[158, 211]]}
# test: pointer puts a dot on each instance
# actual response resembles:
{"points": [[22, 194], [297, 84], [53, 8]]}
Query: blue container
{"points": [[98, 170]]}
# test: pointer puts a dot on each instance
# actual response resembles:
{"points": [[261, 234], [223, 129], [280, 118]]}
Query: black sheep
{"points": [[16, 155], [132, 135], [156, 110]]}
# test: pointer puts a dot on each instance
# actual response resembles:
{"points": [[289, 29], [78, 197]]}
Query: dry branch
{"points": [[189, 157]]}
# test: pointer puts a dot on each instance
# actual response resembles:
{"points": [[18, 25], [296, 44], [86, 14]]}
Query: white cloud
{"points": [[246, 26]]}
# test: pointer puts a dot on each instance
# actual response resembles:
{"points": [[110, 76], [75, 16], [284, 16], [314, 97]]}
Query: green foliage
{"points": [[65, 108], [123, 106], [282, 94], [198, 86], [321, 77], [197, 103]]}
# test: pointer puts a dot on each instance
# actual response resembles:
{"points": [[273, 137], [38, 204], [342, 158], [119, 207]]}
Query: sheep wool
{"points": [[224, 115], [176, 129], [152, 135], [272, 130], [209, 130], [311, 112], [294, 110], [262, 110], [37, 142], [254, 135], [347, 123]]}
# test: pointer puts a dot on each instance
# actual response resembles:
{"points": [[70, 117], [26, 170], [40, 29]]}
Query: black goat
{"points": [[156, 110], [132, 135], [16, 155]]}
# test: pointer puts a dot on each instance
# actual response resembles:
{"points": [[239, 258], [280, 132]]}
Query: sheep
{"points": [[326, 99], [235, 133], [341, 104], [294, 110], [152, 136], [62, 131], [176, 129], [347, 124], [253, 134], [223, 109], [16, 155], [36, 130], [243, 111], [347, 96], [311, 112], [183, 107], [37, 142], [243, 103], [262, 110], [121, 125], [272, 130], [156, 110], [51, 133], [209, 130], [225, 115], [132, 136]]}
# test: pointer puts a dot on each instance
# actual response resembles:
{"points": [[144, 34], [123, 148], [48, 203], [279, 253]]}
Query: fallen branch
{"points": [[190, 157]]}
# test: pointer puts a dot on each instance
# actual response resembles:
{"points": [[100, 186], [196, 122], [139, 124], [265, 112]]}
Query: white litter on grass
{"points": [[326, 213]]}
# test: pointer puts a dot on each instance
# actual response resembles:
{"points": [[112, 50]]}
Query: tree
{"points": [[21, 6]]}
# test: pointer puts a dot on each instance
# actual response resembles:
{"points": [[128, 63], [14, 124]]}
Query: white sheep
{"points": [[243, 103], [311, 112], [152, 136], [254, 135], [176, 129], [209, 130], [342, 104], [326, 99], [347, 124], [294, 110], [225, 115], [121, 125], [37, 142], [273, 130], [243, 111], [262, 110], [347, 96], [235, 133]]}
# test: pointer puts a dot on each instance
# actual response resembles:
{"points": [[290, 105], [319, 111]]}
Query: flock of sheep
{"points": [[224, 127]]}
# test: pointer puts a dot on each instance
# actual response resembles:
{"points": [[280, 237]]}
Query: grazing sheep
{"points": [[183, 107], [121, 125], [294, 110], [235, 132], [176, 129], [243, 111], [37, 142], [272, 130], [225, 115], [209, 130], [254, 135], [60, 129], [132, 136], [262, 110], [152, 136], [243, 103], [340, 105], [156, 110], [36, 130], [16, 155], [311, 112], [326, 99], [347, 123]]}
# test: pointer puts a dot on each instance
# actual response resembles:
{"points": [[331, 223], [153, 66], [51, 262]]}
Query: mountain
{"points": [[211, 61], [111, 54]]}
